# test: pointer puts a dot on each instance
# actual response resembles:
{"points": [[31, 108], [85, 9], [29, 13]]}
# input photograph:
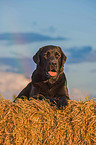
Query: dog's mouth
{"points": [[52, 73]]}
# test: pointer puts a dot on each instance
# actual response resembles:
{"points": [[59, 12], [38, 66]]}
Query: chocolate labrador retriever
{"points": [[48, 80]]}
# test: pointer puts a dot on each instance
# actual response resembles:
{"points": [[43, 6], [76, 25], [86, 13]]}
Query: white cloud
{"points": [[11, 83]]}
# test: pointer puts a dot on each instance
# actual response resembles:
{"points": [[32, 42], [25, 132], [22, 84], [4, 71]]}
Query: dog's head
{"points": [[50, 61]]}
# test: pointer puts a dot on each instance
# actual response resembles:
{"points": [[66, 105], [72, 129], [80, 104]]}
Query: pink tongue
{"points": [[52, 73]]}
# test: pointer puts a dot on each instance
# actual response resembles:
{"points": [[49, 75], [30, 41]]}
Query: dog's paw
{"points": [[38, 96], [63, 101]]}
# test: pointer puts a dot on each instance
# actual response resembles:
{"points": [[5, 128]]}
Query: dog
{"points": [[48, 80]]}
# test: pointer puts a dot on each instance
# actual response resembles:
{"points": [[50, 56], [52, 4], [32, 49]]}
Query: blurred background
{"points": [[25, 26]]}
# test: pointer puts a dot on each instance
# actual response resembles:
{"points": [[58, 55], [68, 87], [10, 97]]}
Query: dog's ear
{"points": [[63, 58], [36, 57]]}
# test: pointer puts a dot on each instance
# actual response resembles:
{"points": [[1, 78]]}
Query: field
{"points": [[36, 122]]}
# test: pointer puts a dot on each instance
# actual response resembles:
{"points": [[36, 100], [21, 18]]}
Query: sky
{"points": [[25, 26]]}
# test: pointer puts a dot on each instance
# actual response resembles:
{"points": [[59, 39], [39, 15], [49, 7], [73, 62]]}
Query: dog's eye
{"points": [[46, 55], [56, 55]]}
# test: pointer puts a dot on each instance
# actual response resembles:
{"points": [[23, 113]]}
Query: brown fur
{"points": [[48, 58]]}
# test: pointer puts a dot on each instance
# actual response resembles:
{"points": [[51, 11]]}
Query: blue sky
{"points": [[75, 20], [25, 26]]}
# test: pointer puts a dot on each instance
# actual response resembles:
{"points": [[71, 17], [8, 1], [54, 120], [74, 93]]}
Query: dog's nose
{"points": [[53, 63]]}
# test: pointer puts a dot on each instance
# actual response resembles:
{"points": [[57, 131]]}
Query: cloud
{"points": [[21, 65], [17, 65], [77, 94], [81, 54], [25, 38], [8, 68], [26, 66], [11, 84]]}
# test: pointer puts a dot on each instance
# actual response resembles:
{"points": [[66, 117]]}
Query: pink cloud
{"points": [[77, 94]]}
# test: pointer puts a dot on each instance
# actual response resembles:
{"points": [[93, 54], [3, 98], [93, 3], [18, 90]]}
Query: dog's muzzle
{"points": [[52, 69]]}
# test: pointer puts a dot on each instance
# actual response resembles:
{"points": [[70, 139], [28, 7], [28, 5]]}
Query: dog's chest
{"points": [[47, 89]]}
